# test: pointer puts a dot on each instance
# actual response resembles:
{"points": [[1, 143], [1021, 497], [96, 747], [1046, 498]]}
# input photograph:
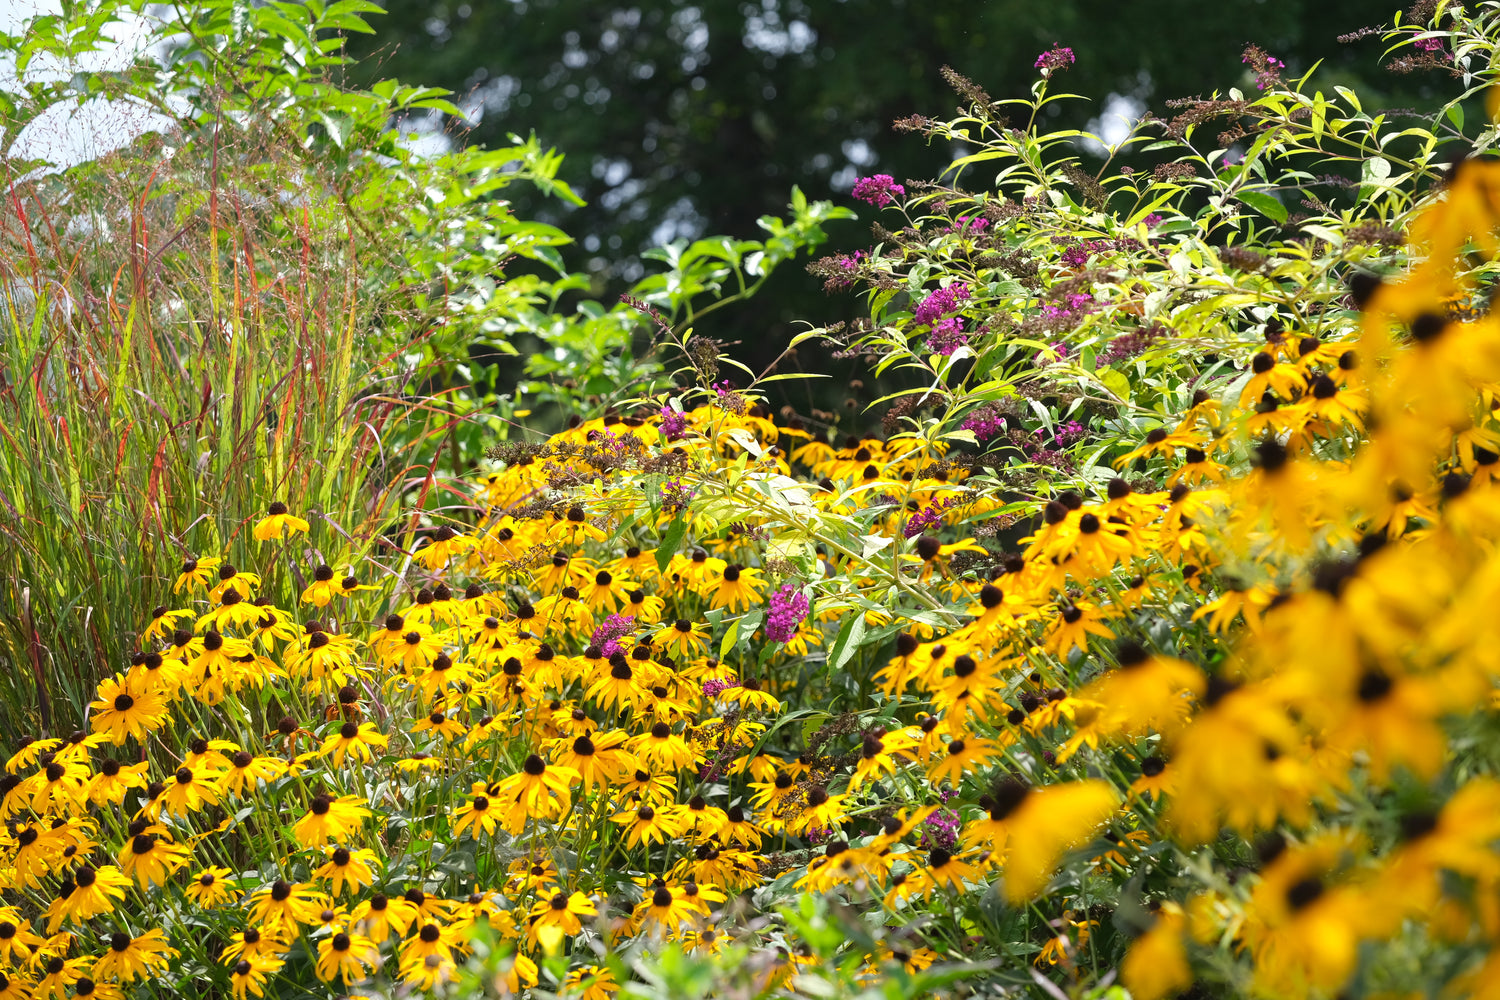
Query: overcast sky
{"points": [[73, 131]]}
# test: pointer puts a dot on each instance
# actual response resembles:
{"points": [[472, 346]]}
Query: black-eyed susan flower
{"points": [[1156, 778], [28, 751], [233, 612], [247, 771], [590, 982], [282, 906], [1075, 621], [619, 687], [213, 886], [87, 893], [653, 789], [356, 741], [382, 916], [945, 868], [740, 828], [601, 759], [190, 790], [604, 594], [17, 941], [442, 546], [706, 941], [560, 912], [418, 647], [163, 622], [157, 675], [59, 785], [390, 636], [662, 749], [821, 810], [643, 607], [130, 958], [347, 957], [419, 763], [195, 573], [1031, 829], [1156, 966], [737, 588], [56, 974], [663, 912], [442, 673], [445, 724], [539, 789], [349, 584], [330, 818], [749, 693], [125, 711], [254, 942], [477, 816], [880, 753], [1148, 692], [232, 578], [647, 823], [964, 754], [113, 781], [278, 522], [704, 820], [151, 858], [682, 638], [248, 976], [1303, 925], [779, 789], [347, 869], [427, 971], [520, 974], [323, 589]]}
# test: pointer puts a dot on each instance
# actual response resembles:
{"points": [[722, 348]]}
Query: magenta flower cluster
{"points": [[947, 336], [1068, 433], [1074, 306], [928, 517], [987, 422], [1128, 345], [672, 423], [940, 830], [1056, 58], [714, 687], [675, 495], [609, 633], [878, 189], [1266, 75], [940, 303], [1078, 252], [789, 606]]}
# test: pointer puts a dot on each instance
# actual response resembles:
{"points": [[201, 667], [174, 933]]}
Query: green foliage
{"points": [[703, 113], [276, 300]]}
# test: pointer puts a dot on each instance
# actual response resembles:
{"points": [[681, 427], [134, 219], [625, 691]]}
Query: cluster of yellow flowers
{"points": [[543, 740]]}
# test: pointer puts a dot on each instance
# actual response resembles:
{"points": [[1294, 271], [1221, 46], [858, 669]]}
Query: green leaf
{"points": [[671, 539], [730, 635], [1265, 205], [1115, 382], [847, 641]]}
